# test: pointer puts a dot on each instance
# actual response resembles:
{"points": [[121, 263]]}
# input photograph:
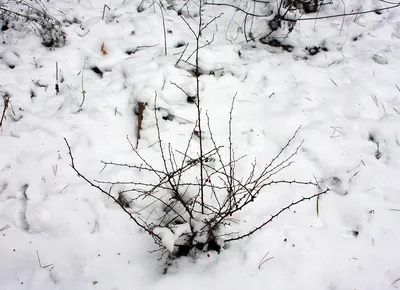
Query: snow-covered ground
{"points": [[57, 232]]}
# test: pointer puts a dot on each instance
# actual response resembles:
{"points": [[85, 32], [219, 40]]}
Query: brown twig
{"points": [[141, 107]]}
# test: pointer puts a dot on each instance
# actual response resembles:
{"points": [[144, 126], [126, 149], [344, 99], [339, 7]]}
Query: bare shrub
{"points": [[33, 16], [186, 203]]}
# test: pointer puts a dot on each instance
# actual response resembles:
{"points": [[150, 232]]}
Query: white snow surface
{"points": [[346, 100]]}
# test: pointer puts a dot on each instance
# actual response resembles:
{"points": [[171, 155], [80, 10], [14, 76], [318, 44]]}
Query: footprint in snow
{"points": [[380, 59], [396, 33], [10, 58]]}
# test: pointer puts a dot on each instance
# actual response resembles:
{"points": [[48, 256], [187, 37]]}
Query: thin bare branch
{"points": [[275, 216], [155, 236]]}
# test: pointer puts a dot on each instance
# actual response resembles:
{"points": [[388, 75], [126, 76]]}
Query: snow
{"points": [[346, 100], [169, 237]]}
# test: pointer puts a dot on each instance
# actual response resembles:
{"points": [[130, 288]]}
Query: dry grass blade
{"points": [[264, 260], [5, 228], [40, 263], [6, 100]]}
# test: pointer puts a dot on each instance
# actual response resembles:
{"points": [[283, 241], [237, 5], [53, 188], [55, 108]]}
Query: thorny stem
{"points": [[198, 106], [276, 215], [156, 238], [231, 157]]}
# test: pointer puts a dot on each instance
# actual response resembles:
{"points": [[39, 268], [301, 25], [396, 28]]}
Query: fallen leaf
{"points": [[103, 50]]}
